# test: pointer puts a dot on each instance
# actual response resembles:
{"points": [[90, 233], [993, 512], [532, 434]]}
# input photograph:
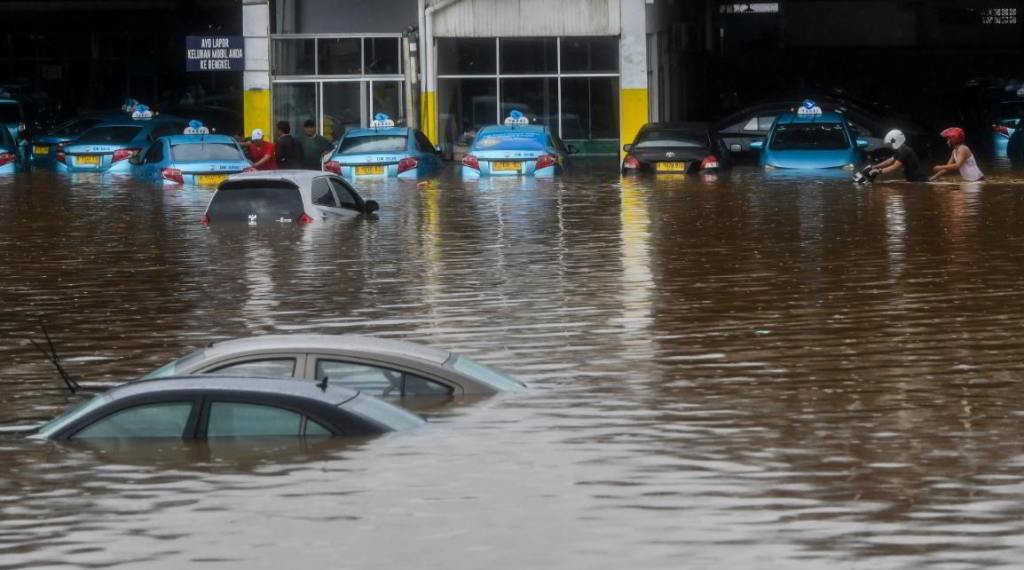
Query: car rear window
{"points": [[382, 413], [204, 152], [511, 141], [382, 143], [671, 139], [74, 127], [486, 374], [810, 136], [109, 135], [256, 201]]}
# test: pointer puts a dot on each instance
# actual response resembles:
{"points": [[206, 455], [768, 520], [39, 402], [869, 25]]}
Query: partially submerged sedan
{"points": [[384, 150], [379, 367], [285, 197], [516, 148], [193, 159], [198, 407], [678, 148]]}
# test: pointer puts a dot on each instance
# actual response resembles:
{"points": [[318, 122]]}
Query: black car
{"points": [[679, 148], [200, 407]]}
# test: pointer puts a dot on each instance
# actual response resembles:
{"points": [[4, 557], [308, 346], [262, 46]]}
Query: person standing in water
{"points": [[903, 157], [962, 158]]}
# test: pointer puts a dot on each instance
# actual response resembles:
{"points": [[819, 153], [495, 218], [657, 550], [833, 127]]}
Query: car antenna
{"points": [[322, 384], [72, 385]]}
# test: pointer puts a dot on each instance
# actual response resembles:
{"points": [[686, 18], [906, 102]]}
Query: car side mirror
{"points": [[757, 145], [861, 143], [627, 147], [571, 149], [370, 206]]}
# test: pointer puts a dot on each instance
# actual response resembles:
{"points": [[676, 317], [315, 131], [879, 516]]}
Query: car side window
{"points": [[155, 153], [236, 419], [764, 122], [376, 381], [163, 420], [751, 125], [272, 367], [345, 194], [322, 195], [423, 142]]}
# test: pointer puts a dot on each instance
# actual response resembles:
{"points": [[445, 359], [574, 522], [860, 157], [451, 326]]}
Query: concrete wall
{"points": [[344, 16], [512, 18]]}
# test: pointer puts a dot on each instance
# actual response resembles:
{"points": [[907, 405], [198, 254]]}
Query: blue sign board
{"points": [[214, 53]]}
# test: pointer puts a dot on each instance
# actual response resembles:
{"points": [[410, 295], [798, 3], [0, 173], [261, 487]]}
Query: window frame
{"points": [[69, 431], [298, 359], [279, 401], [454, 388]]}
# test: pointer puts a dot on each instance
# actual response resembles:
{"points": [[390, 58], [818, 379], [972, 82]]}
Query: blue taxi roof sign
{"points": [[516, 118], [381, 121], [196, 127], [808, 107]]}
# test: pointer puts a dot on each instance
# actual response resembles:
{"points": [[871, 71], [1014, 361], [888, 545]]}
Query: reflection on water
{"points": [[750, 370]]}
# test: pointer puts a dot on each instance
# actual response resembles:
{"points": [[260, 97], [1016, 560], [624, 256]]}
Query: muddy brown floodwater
{"points": [[755, 371]]}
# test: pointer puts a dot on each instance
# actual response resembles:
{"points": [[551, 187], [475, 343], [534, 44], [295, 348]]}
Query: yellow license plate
{"points": [[369, 170], [210, 179], [87, 160], [670, 166], [503, 166], [40, 150]]}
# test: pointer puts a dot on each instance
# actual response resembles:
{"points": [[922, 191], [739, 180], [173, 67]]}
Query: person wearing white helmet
{"points": [[261, 151], [903, 157]]}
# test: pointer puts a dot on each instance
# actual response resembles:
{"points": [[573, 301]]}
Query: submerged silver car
{"points": [[379, 367]]}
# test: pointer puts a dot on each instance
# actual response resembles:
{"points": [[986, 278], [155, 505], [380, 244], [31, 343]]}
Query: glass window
{"points": [[273, 367], [313, 429], [343, 108], [387, 98], [671, 138], [762, 123], [535, 97], [205, 151], [234, 419], [373, 143], [751, 125], [423, 143], [178, 366], [379, 382], [595, 55], [382, 413], [810, 136], [466, 56], [339, 56], [511, 140], [74, 127], [295, 102], [382, 56], [590, 108], [262, 201], [294, 56], [165, 420], [528, 55], [345, 194], [465, 106], [109, 135], [321, 193], [486, 374], [155, 153]]}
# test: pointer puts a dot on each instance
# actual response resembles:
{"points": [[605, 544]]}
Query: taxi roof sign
{"points": [[196, 127], [381, 121], [141, 112], [808, 107], [516, 118]]}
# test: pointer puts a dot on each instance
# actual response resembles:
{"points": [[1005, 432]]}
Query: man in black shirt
{"points": [[902, 157], [287, 151]]}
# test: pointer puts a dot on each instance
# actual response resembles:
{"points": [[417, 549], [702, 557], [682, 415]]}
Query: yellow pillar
{"points": [[428, 116], [633, 113], [257, 112]]}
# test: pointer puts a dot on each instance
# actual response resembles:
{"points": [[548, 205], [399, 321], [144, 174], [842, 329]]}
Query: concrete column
{"points": [[633, 100], [256, 77]]}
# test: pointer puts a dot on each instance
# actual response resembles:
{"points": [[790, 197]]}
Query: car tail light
{"points": [[1001, 129], [206, 219], [7, 158], [305, 219], [471, 161], [59, 155], [172, 174], [631, 163], [333, 166], [709, 161], [407, 163], [124, 154], [546, 160]]}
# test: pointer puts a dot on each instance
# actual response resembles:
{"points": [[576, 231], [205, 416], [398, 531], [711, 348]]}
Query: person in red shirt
{"points": [[261, 152]]}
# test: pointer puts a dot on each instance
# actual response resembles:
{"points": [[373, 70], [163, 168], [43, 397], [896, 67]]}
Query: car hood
{"points": [[804, 159]]}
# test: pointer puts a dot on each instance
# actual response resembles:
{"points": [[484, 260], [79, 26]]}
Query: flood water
{"points": [[753, 371]]}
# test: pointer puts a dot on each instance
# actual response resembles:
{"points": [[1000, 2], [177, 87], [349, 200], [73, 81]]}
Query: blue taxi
{"points": [[107, 147], [9, 163], [810, 139], [194, 157], [43, 147], [384, 150], [515, 148]]}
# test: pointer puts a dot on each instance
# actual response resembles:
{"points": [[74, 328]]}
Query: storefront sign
{"points": [[214, 53]]}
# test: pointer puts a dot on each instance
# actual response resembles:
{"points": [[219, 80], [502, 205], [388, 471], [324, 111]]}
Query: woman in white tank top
{"points": [[961, 160]]}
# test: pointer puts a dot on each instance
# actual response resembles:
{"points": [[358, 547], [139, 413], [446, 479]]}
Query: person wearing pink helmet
{"points": [[962, 158]]}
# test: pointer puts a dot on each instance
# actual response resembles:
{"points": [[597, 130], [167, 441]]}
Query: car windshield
{"points": [[665, 138], [10, 113], [809, 136], [109, 135], [205, 152], [486, 374], [380, 412], [175, 367], [255, 201], [74, 127], [376, 143], [511, 141]]}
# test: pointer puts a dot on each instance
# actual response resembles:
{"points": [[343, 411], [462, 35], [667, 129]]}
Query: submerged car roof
{"points": [[826, 117], [332, 394], [199, 139], [314, 342]]}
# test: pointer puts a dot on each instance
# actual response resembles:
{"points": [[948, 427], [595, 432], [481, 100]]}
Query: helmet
{"points": [[257, 134], [896, 138], [953, 135]]}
